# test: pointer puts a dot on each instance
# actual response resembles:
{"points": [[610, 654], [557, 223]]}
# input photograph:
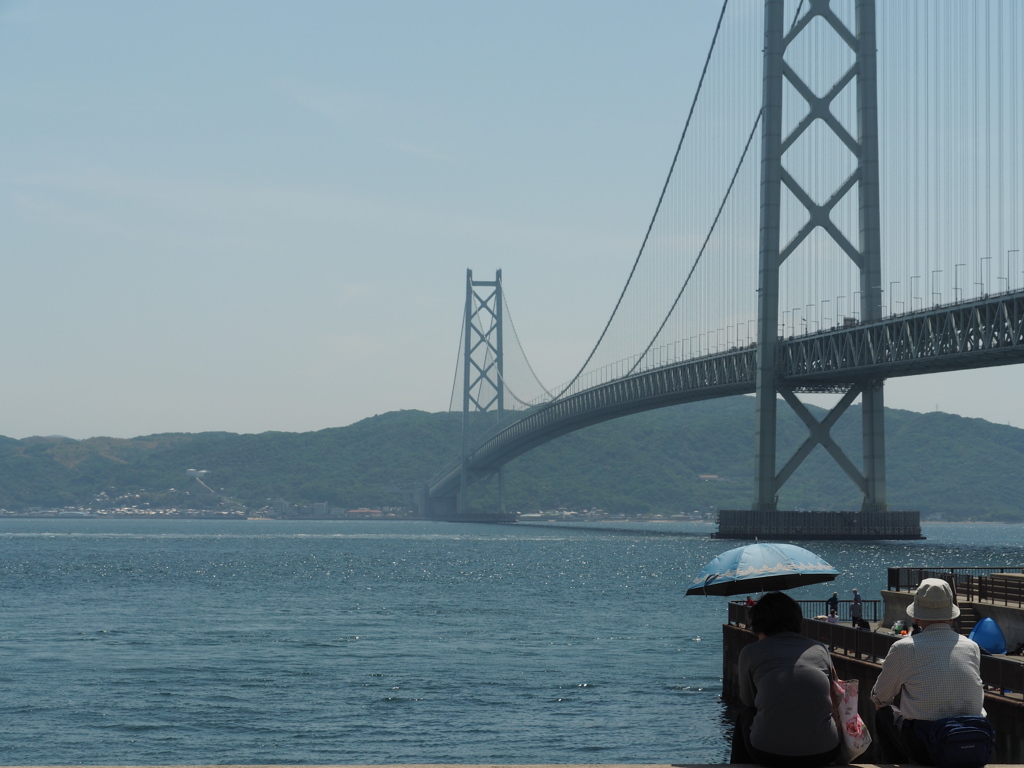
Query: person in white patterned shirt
{"points": [[928, 676]]}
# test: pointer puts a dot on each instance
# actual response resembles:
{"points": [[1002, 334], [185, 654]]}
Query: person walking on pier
{"points": [[856, 609], [929, 676], [785, 685]]}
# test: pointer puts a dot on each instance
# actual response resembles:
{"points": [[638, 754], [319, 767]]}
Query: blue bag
{"points": [[957, 742]]}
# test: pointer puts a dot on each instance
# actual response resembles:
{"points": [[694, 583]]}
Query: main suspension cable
{"points": [[519, 344], [703, 248], [657, 208], [458, 361]]}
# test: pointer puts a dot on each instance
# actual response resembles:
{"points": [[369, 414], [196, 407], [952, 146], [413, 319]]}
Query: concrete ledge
{"points": [[484, 765], [895, 606]]}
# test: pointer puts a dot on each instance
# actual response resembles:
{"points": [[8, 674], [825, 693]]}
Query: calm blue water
{"points": [[155, 642]]}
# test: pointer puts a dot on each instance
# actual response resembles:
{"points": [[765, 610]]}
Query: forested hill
{"points": [[690, 457]]}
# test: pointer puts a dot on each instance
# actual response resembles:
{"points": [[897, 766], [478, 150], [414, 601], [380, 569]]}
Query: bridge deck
{"points": [[975, 334]]}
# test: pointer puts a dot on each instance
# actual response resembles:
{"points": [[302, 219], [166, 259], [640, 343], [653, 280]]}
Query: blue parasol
{"points": [[760, 568]]}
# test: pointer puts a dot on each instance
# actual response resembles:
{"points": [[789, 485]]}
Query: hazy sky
{"points": [[252, 216]]}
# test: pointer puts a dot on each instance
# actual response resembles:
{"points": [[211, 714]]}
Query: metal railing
{"points": [[1000, 674], [1001, 586], [871, 610]]}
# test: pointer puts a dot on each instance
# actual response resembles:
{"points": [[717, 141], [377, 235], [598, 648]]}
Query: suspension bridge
{"points": [[843, 207]]}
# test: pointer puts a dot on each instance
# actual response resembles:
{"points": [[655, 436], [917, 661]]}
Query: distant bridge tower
{"points": [[866, 254], [483, 368]]}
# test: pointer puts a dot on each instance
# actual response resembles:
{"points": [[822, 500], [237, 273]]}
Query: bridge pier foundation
{"points": [[487, 504], [794, 525]]}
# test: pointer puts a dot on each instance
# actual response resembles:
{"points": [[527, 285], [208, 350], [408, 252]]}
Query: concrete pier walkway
{"points": [[479, 765]]}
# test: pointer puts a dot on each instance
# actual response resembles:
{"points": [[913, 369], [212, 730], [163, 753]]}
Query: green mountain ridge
{"points": [[690, 457]]}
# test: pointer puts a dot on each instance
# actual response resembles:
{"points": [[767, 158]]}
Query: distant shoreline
{"points": [[585, 524]]}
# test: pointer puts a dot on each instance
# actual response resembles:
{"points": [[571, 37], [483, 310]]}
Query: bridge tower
{"points": [[483, 367], [866, 254]]}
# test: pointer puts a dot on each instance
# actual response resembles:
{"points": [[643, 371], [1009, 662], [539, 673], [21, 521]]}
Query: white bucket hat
{"points": [[933, 601]]}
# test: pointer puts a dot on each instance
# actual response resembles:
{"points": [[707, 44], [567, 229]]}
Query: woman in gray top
{"points": [[785, 683]]}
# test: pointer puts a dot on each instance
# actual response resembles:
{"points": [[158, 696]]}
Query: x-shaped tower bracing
{"points": [[866, 255]]}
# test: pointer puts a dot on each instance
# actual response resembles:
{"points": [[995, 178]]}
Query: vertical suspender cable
{"points": [[657, 207]]}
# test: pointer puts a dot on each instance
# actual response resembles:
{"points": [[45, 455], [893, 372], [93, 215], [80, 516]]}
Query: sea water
{"points": [[177, 641]]}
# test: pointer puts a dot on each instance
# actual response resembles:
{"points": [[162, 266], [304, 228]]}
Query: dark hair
{"points": [[774, 613]]}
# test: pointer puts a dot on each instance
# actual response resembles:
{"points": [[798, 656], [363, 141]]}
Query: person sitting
{"points": [[936, 674], [749, 602], [833, 602], [785, 683], [833, 617]]}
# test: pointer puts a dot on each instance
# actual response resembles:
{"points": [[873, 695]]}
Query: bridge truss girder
{"points": [[983, 333], [988, 331], [722, 375]]}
